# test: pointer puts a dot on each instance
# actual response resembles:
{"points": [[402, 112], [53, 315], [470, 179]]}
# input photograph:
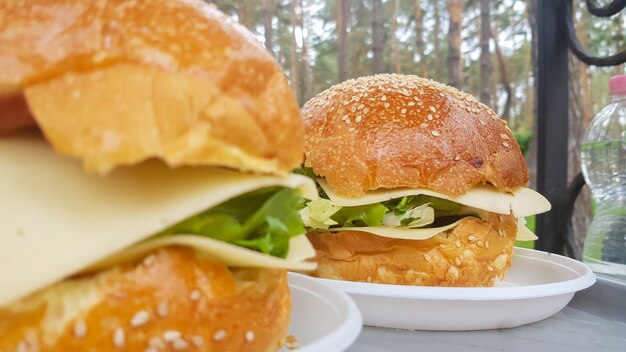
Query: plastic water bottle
{"points": [[603, 154]]}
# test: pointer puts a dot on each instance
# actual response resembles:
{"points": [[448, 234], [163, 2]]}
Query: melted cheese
{"points": [[405, 233], [523, 202], [56, 220]]}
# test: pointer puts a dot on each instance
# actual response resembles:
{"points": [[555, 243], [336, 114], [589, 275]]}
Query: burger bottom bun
{"points": [[474, 253], [173, 299]]}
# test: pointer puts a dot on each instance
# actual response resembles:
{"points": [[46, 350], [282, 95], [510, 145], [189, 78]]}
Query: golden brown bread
{"points": [[173, 299], [124, 81], [390, 131], [474, 253]]}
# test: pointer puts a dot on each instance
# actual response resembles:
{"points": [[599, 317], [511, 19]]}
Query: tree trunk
{"points": [[395, 49], [250, 14], [506, 84], [437, 44], [419, 37], [455, 76], [293, 67], [304, 61], [531, 155], [269, 10], [342, 14], [582, 211], [485, 54], [377, 36]]}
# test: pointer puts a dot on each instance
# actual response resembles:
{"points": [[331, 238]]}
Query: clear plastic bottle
{"points": [[603, 155]]}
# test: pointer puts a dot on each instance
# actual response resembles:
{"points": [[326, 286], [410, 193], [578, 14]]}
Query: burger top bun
{"points": [[118, 82], [391, 131]]}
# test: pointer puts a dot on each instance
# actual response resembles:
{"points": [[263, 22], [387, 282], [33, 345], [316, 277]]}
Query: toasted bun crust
{"points": [[124, 81], [173, 298], [474, 253], [389, 131]]}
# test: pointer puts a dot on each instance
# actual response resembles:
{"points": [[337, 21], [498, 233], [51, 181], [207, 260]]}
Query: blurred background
{"points": [[486, 48]]}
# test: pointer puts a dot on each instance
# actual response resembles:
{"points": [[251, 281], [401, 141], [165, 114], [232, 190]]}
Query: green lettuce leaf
{"points": [[262, 220], [401, 205], [317, 214], [417, 217], [363, 215]]}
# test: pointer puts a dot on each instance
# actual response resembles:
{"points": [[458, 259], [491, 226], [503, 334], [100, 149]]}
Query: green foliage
{"points": [[523, 138]]}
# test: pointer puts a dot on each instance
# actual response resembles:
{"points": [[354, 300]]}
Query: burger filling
{"points": [[263, 220]]}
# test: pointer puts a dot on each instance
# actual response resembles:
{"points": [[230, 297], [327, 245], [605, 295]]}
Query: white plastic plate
{"points": [[322, 318], [538, 285]]}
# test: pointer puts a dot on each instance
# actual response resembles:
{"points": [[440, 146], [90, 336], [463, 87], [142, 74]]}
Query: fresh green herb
{"points": [[363, 215], [317, 214], [262, 220], [407, 221]]}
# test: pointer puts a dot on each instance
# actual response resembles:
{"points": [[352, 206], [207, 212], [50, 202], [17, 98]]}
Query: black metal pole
{"points": [[552, 129]]}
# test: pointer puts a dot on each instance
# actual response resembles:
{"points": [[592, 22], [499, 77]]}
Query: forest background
{"points": [[486, 48]]}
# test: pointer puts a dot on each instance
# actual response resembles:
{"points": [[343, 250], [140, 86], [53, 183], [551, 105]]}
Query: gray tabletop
{"points": [[595, 320]]}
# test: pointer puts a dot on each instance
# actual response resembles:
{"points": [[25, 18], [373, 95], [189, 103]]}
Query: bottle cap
{"points": [[617, 85]]}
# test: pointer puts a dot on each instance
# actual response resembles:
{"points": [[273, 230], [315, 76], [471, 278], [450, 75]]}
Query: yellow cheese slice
{"points": [[299, 249], [523, 233], [56, 220], [523, 202]]}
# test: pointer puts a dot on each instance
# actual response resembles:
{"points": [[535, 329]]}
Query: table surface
{"points": [[595, 320]]}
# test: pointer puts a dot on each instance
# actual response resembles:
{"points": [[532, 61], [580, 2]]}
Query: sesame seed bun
{"points": [[171, 300], [390, 131], [126, 81], [475, 253]]}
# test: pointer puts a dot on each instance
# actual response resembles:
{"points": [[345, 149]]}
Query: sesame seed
{"points": [[197, 340], [149, 260], [416, 98], [348, 121], [386, 105], [383, 98], [345, 117], [471, 238], [351, 129], [457, 158], [171, 335], [80, 328], [505, 144], [156, 342], [500, 218], [435, 133], [219, 335], [504, 136], [457, 261], [430, 117], [195, 295], [249, 336], [358, 119], [420, 103], [163, 309], [151, 349], [119, 339], [442, 245], [427, 257], [140, 318], [346, 102], [489, 268], [423, 125], [487, 244], [458, 243], [484, 123], [180, 344], [360, 107], [411, 103], [432, 109], [479, 243], [22, 346], [366, 110], [501, 233], [403, 111]]}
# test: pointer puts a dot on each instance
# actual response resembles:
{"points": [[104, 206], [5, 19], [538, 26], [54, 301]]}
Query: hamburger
{"points": [[154, 209], [421, 184]]}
